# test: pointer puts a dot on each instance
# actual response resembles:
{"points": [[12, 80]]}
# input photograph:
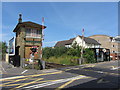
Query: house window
{"points": [[33, 33], [113, 51], [113, 45]]}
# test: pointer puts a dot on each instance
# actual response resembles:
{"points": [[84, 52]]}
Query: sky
{"points": [[64, 20]]}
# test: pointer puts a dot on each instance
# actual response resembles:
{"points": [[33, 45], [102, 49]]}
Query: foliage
{"points": [[89, 55], [68, 56], [3, 48], [64, 59], [57, 52], [74, 51], [48, 52]]}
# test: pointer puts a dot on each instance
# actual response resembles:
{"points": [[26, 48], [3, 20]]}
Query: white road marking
{"points": [[114, 68], [24, 71], [3, 69], [55, 82], [99, 72]]}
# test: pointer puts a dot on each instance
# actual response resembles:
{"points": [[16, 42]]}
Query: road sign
{"points": [[11, 48], [104, 50], [97, 50]]}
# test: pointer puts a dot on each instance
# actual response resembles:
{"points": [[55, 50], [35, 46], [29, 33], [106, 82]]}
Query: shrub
{"points": [[89, 56]]}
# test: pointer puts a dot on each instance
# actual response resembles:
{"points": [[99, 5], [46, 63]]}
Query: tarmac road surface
{"points": [[103, 75]]}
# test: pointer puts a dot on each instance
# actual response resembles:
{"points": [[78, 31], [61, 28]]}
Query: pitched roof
{"points": [[90, 40], [28, 24], [68, 42], [63, 43]]}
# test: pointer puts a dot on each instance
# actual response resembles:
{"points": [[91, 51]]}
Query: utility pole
{"points": [[81, 60], [42, 38]]}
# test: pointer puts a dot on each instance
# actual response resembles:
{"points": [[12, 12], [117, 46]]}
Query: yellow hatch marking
{"points": [[32, 75], [25, 84], [67, 83]]}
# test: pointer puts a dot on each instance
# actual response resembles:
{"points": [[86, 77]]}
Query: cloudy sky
{"points": [[64, 20]]}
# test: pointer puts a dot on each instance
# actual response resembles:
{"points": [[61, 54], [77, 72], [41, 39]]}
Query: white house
{"points": [[86, 42]]}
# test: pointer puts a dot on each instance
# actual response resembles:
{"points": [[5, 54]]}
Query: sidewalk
{"points": [[11, 70]]}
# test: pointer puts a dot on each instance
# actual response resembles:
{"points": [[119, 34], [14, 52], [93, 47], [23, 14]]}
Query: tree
{"points": [[48, 52], [75, 50], [89, 55], [3, 49]]}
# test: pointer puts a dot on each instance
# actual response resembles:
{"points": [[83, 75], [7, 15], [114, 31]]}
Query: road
{"points": [[103, 75]]}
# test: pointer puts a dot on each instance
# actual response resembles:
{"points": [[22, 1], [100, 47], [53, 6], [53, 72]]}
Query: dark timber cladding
{"points": [[28, 34]]}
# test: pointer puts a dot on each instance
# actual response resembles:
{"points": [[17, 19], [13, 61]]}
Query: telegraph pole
{"points": [[81, 61], [42, 38]]}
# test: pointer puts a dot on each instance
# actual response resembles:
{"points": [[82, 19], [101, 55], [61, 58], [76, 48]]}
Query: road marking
{"points": [[24, 71], [28, 83], [75, 68], [99, 72], [13, 81], [65, 85], [102, 81], [114, 68], [62, 86], [11, 85], [3, 79], [3, 69], [90, 66], [67, 69], [103, 72], [54, 82], [16, 77], [25, 83]]}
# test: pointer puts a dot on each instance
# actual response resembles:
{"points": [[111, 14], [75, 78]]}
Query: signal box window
{"points": [[33, 33]]}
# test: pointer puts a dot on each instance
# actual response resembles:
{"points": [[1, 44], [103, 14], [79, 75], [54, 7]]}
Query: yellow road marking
{"points": [[62, 86], [13, 84], [76, 68], [32, 75], [12, 78], [67, 69], [28, 83], [13, 81], [90, 66], [25, 83]]}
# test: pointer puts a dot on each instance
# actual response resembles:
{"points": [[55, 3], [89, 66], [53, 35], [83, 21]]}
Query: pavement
{"points": [[103, 75]]}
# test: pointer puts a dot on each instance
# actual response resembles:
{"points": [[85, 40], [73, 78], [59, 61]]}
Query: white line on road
{"points": [[99, 72], [3, 69], [24, 71], [55, 82], [114, 68]]}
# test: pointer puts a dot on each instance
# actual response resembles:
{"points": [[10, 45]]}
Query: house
{"points": [[112, 43], [101, 54], [28, 35], [86, 42]]}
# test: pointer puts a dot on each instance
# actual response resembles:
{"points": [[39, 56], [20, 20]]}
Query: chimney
{"points": [[20, 18]]}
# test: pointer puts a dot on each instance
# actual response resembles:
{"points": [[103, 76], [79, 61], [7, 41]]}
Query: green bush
{"points": [[89, 56], [57, 52], [68, 56]]}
